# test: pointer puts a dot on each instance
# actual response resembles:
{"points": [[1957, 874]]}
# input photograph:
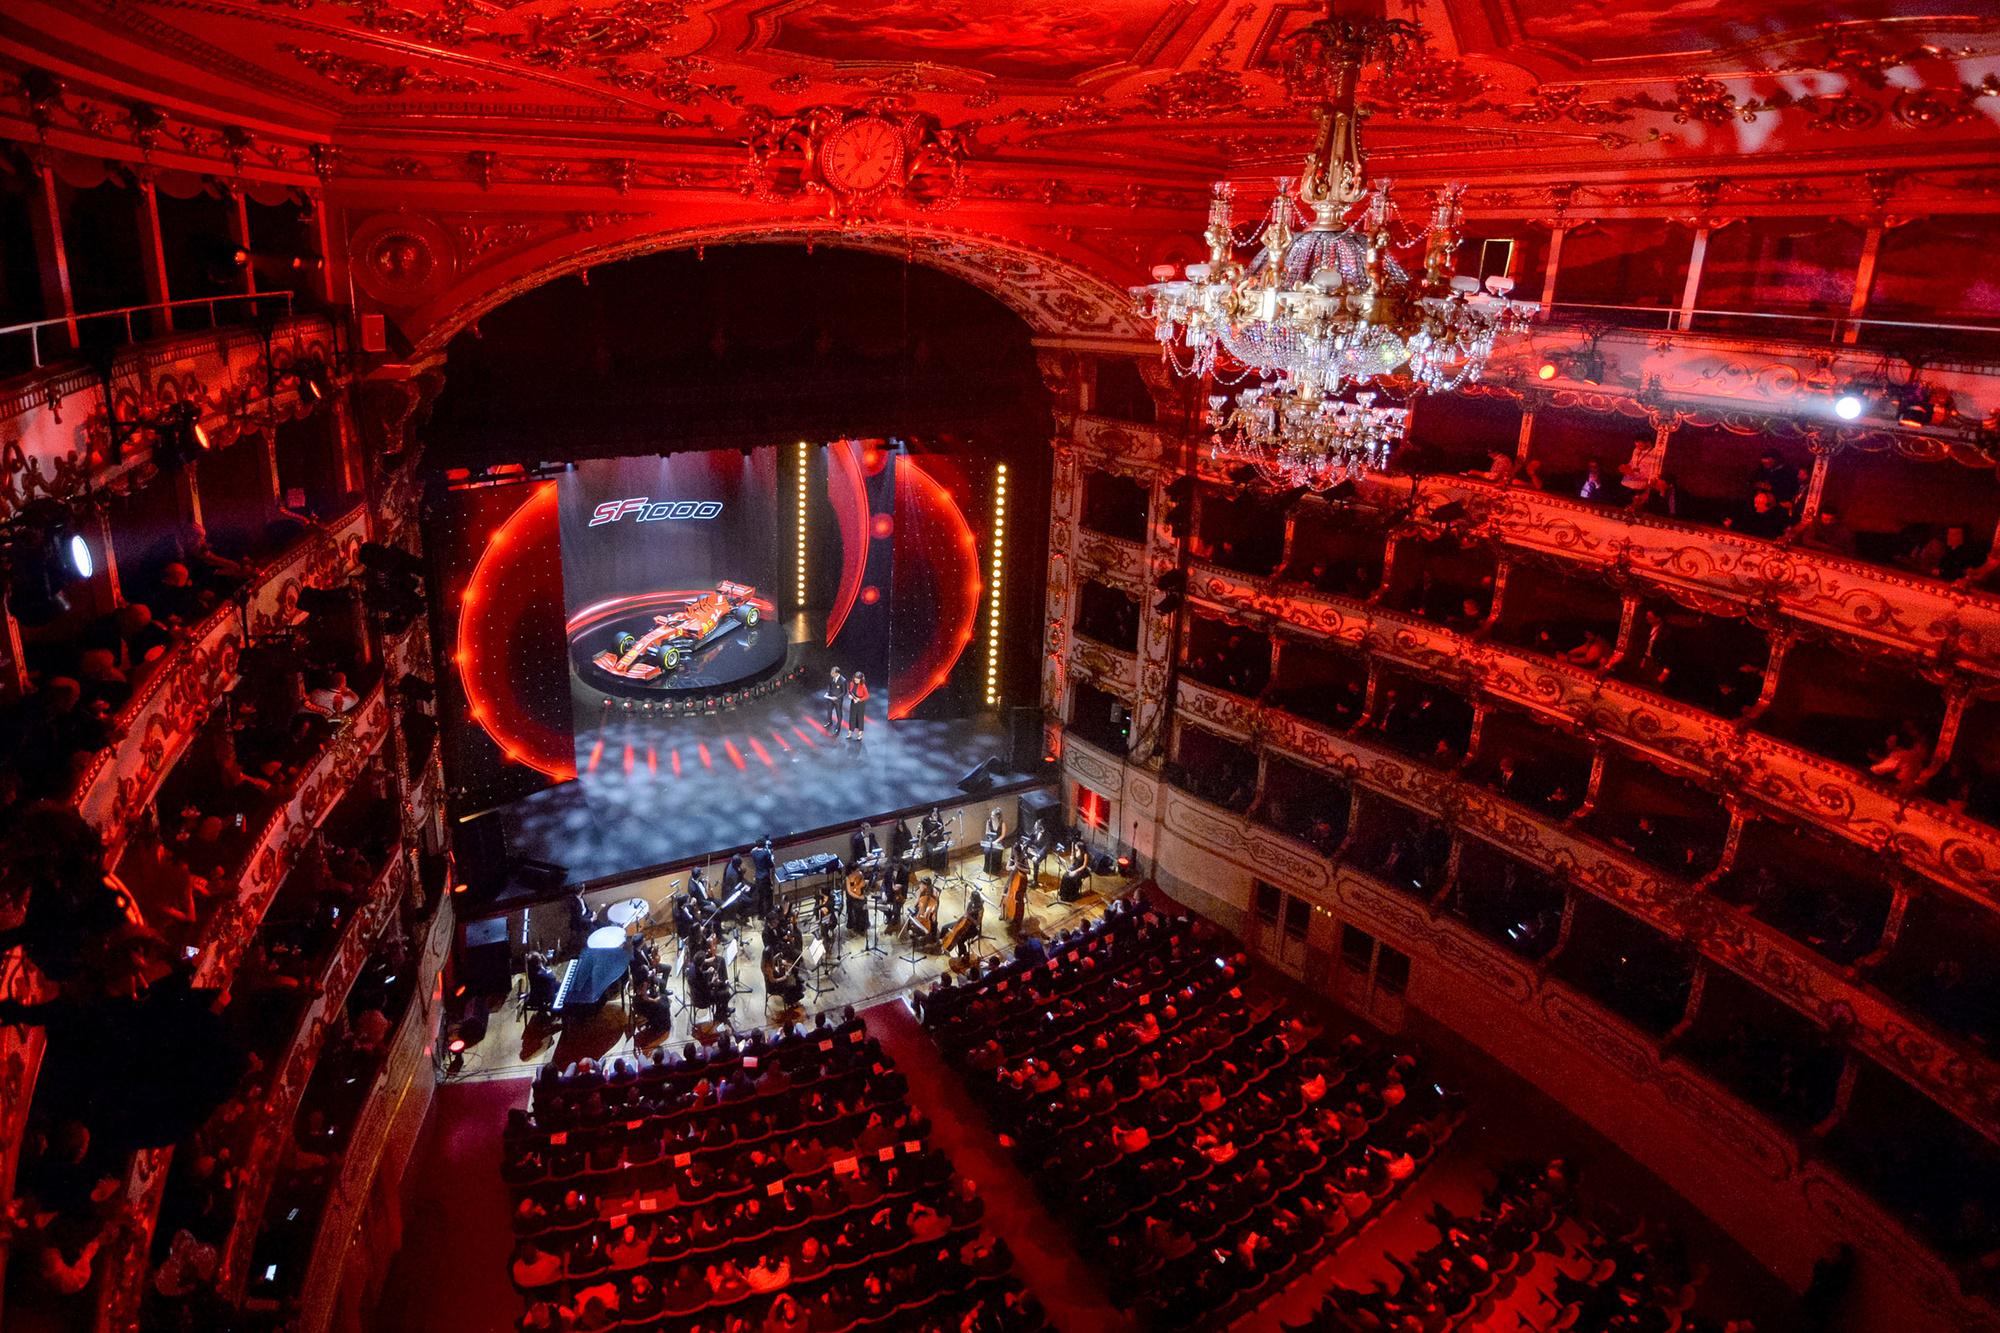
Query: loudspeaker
{"points": [[486, 961], [1024, 738], [981, 777], [1045, 806], [472, 1027]]}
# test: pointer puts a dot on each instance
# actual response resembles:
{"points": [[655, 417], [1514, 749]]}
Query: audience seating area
{"points": [[1526, 1260], [783, 1184], [1167, 1110]]}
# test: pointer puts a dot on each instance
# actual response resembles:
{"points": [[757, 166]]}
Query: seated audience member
{"points": [[1762, 517], [1825, 532], [130, 636], [333, 698], [103, 683], [177, 600]]}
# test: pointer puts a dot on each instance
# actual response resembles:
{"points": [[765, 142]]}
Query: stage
{"points": [[516, 1042], [653, 790]]}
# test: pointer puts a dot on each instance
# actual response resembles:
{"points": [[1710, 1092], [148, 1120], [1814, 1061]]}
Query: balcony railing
{"points": [[154, 727], [224, 938], [1943, 846], [257, 1169], [1957, 1077], [59, 337], [1819, 591]]}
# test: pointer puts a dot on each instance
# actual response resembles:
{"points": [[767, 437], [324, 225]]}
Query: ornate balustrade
{"points": [[1111, 669], [1872, 605], [1785, 1205], [122, 1263], [154, 727], [385, 1135], [54, 418], [1946, 847], [257, 1169], [1111, 560], [1867, 603], [1963, 1080]]}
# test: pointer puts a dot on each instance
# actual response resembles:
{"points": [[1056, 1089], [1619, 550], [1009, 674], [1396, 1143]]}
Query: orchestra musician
{"points": [[923, 924], [764, 862], [862, 844], [966, 932], [859, 888], [784, 953], [936, 842], [991, 841], [733, 876], [1075, 872], [894, 892], [899, 838], [1036, 851]]}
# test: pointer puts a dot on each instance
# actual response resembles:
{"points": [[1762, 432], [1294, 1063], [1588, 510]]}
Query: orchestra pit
{"points": [[1093, 666]]}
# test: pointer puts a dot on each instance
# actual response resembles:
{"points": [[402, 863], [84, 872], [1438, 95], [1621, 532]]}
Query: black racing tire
{"points": [[748, 615], [670, 657], [623, 643]]}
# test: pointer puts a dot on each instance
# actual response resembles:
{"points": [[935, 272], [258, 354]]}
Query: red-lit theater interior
{"points": [[750, 666]]}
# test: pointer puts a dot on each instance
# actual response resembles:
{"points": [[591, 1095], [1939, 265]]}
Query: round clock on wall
{"points": [[862, 156]]}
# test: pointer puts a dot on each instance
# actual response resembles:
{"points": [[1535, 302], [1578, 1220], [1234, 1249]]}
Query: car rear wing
{"points": [[738, 591]]}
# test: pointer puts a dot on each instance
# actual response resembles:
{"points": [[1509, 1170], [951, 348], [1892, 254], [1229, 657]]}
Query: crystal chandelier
{"points": [[1328, 309], [1296, 440]]}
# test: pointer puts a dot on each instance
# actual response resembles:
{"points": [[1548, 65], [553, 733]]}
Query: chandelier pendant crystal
{"points": [[1327, 310]]}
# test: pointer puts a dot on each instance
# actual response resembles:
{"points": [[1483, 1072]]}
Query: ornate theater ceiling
{"points": [[1101, 119]]}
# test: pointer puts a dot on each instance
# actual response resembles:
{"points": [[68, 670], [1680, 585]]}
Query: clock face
{"points": [[862, 156]]}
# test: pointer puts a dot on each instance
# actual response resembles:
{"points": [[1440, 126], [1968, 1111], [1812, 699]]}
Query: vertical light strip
{"points": [[993, 585], [803, 470]]}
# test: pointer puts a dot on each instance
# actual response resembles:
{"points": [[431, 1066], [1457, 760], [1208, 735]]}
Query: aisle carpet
{"points": [[1043, 1256], [458, 1237]]}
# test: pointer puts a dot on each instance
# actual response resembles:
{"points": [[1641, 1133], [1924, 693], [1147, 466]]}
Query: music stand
{"points": [[814, 959]]}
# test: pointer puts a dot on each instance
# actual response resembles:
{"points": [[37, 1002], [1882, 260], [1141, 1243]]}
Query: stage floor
{"points": [[514, 1045], [653, 790]]}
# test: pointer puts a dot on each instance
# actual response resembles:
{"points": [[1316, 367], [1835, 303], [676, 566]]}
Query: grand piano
{"points": [[594, 976]]}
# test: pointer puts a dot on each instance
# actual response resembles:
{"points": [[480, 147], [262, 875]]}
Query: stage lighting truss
{"points": [[994, 585]]}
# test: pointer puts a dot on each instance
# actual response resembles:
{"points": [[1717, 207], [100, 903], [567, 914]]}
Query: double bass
{"points": [[1014, 898]]}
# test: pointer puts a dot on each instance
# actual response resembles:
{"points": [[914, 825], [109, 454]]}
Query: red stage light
{"points": [[707, 761], [1547, 371], [735, 755], [870, 595], [882, 525], [457, 1045]]}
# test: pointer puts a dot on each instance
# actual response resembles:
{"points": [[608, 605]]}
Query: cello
{"points": [[923, 916]]}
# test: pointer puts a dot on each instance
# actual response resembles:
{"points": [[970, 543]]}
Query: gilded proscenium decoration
{"points": [[860, 158]]}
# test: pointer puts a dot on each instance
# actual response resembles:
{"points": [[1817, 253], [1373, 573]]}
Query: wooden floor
{"points": [[517, 1042]]}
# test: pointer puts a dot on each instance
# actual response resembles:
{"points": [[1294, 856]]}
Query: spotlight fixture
{"points": [[1850, 406], [178, 436], [45, 555], [1547, 371], [1915, 408]]}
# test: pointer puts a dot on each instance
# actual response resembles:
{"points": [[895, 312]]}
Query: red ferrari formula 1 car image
{"points": [[644, 657]]}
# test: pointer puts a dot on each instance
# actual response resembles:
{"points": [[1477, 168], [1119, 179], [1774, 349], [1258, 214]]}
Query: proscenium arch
{"points": [[1055, 296]]}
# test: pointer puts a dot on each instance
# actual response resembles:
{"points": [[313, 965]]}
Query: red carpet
{"points": [[457, 1237], [1042, 1254]]}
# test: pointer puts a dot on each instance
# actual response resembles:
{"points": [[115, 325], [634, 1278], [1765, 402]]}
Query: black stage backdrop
{"points": [[634, 525], [504, 706]]}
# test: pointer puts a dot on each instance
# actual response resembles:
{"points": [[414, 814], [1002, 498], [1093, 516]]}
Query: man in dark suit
{"points": [[836, 701], [765, 864], [861, 843]]}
